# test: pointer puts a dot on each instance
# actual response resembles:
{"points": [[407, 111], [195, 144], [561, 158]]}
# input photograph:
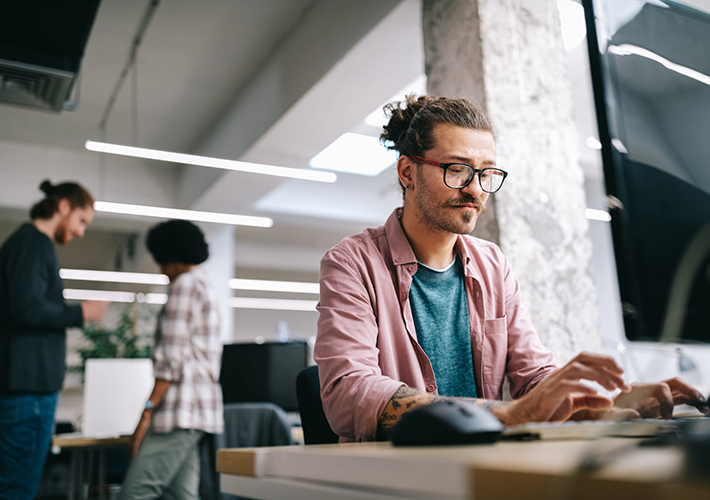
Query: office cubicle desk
{"points": [[506, 470]]}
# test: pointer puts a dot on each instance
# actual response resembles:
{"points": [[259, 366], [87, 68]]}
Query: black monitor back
{"points": [[651, 79], [263, 372]]}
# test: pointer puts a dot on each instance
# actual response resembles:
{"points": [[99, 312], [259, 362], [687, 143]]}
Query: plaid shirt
{"points": [[188, 353]]}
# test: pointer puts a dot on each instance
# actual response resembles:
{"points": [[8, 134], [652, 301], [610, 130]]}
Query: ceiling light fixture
{"points": [[114, 277], [356, 154], [178, 213], [274, 286], [111, 296], [274, 304], [206, 161], [571, 23], [593, 143], [600, 215]]}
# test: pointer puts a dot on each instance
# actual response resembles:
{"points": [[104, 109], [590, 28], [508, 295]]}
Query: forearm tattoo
{"points": [[407, 399]]}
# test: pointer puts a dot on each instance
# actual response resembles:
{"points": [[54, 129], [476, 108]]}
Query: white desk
{"points": [[508, 470]]}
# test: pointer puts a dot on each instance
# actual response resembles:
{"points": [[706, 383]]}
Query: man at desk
{"points": [[417, 310]]}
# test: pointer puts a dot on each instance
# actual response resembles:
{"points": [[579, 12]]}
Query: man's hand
{"points": [[562, 393], [93, 310], [140, 432], [657, 400]]}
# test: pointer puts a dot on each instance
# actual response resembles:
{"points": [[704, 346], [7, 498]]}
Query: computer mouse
{"points": [[446, 422]]}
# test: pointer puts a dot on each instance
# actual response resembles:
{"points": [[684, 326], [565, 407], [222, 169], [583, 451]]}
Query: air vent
{"points": [[42, 43], [34, 86]]}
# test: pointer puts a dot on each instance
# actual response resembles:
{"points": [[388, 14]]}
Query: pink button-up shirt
{"points": [[366, 347]]}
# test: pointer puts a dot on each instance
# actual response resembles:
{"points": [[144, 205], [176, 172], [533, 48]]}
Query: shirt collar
{"points": [[400, 248], [402, 252]]}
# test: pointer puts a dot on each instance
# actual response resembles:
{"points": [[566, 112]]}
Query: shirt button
{"points": [[410, 267], [430, 388], [404, 296]]}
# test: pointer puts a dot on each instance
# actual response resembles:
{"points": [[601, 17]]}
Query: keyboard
{"points": [[589, 429]]}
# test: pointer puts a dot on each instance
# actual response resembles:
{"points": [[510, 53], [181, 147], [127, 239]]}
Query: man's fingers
{"points": [[578, 370], [664, 396], [572, 386], [599, 360], [620, 415], [685, 393], [590, 402]]}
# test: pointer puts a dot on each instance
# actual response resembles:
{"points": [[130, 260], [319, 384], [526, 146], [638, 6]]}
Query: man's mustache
{"points": [[467, 199]]}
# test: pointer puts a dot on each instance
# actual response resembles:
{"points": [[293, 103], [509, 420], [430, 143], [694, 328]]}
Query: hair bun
{"points": [[46, 186]]}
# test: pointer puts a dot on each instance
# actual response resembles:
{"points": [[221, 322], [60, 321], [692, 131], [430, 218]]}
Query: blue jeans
{"points": [[26, 427]]}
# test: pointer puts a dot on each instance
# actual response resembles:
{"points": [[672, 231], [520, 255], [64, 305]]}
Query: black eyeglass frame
{"points": [[478, 171]]}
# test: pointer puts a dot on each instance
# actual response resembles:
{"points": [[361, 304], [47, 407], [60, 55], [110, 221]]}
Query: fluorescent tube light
{"points": [[274, 304], [274, 286], [114, 277], [571, 23], [355, 154], [206, 161], [600, 215], [109, 296], [177, 213], [626, 49]]}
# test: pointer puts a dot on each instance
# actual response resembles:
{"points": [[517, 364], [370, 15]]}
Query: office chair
{"points": [[316, 429]]}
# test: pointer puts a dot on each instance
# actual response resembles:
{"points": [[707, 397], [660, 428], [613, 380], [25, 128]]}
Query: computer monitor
{"points": [[264, 372], [650, 65]]}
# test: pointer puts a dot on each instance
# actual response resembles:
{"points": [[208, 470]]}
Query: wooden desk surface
{"points": [[77, 440], [542, 469]]}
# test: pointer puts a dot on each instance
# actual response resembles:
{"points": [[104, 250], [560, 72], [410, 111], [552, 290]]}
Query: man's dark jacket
{"points": [[33, 314]]}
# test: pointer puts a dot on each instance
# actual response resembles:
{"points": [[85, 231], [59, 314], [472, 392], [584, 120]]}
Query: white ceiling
{"points": [[269, 81], [194, 61]]}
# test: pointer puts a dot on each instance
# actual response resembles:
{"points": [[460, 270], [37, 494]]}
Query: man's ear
{"points": [[405, 171], [64, 207]]}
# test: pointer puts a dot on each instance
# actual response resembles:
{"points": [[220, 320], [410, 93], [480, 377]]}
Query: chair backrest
{"points": [[316, 429]]}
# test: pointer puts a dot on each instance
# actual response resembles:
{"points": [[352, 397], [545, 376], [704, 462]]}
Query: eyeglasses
{"points": [[460, 175]]}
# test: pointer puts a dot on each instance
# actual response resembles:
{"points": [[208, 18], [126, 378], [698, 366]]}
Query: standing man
{"points": [[417, 310], [33, 323], [186, 402]]}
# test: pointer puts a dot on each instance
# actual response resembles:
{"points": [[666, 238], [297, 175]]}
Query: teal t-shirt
{"points": [[440, 311]]}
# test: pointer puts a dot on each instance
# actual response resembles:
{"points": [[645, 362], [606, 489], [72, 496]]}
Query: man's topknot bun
{"points": [[401, 114], [410, 130], [46, 187]]}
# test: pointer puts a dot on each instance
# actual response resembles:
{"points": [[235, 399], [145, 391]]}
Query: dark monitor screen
{"points": [[650, 62], [263, 372]]}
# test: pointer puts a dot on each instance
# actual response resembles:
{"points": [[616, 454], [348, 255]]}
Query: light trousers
{"points": [[167, 466]]}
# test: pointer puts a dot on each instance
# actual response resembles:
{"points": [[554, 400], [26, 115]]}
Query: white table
{"points": [[506, 470]]}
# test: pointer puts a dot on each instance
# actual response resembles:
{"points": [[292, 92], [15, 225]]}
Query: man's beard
{"points": [[440, 217], [61, 235]]}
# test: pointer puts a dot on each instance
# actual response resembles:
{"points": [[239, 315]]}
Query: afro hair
{"points": [[177, 241]]}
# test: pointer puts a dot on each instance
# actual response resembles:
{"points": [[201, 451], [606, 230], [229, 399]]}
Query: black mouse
{"points": [[446, 422]]}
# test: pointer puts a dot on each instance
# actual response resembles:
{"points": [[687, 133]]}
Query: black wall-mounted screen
{"points": [[650, 62]]}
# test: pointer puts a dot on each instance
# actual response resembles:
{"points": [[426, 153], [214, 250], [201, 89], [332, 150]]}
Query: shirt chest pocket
{"points": [[495, 350]]}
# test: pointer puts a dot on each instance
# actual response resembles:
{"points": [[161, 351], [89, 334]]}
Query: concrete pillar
{"points": [[220, 269], [508, 56]]}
